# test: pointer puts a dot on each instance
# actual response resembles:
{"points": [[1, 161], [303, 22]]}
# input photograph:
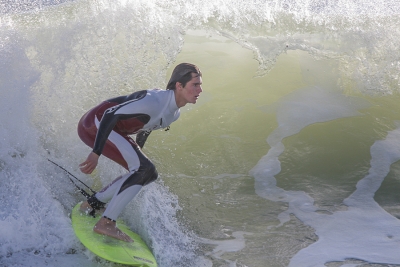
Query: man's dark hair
{"points": [[182, 74]]}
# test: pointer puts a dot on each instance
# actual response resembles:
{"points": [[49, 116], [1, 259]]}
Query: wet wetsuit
{"points": [[106, 128]]}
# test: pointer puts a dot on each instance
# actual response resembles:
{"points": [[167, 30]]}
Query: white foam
{"points": [[364, 231], [171, 243], [236, 242]]}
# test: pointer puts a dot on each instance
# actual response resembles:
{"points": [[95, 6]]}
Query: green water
{"points": [[206, 157]]}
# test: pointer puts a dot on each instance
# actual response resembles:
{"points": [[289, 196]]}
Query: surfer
{"points": [[107, 127]]}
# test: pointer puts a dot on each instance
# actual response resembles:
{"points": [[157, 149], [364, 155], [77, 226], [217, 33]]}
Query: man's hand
{"points": [[90, 163]]}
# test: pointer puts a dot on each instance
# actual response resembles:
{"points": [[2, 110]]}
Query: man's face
{"points": [[192, 89]]}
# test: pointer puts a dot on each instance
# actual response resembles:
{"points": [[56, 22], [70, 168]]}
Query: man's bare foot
{"points": [[109, 228], [86, 208]]}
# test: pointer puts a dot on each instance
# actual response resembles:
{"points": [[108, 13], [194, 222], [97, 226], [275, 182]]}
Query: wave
{"points": [[59, 58]]}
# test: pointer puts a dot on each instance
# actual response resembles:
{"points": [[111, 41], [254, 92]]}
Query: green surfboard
{"points": [[111, 249]]}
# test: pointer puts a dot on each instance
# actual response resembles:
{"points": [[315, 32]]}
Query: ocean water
{"points": [[289, 158]]}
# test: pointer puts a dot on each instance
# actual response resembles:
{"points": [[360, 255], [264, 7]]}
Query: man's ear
{"points": [[178, 85]]}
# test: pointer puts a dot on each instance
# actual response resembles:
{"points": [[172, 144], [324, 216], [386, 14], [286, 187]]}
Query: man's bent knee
{"points": [[150, 174]]}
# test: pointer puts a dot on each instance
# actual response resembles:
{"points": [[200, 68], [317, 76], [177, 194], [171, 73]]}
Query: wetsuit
{"points": [[106, 128]]}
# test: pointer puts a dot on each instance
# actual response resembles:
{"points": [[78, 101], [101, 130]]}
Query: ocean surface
{"points": [[289, 158]]}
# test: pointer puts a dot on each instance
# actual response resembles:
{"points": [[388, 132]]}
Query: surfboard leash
{"points": [[83, 192]]}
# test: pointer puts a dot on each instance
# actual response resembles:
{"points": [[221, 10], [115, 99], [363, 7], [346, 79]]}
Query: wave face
{"points": [[290, 157]]}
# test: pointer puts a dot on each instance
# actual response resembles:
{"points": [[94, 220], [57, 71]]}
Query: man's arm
{"points": [[142, 137], [107, 123]]}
